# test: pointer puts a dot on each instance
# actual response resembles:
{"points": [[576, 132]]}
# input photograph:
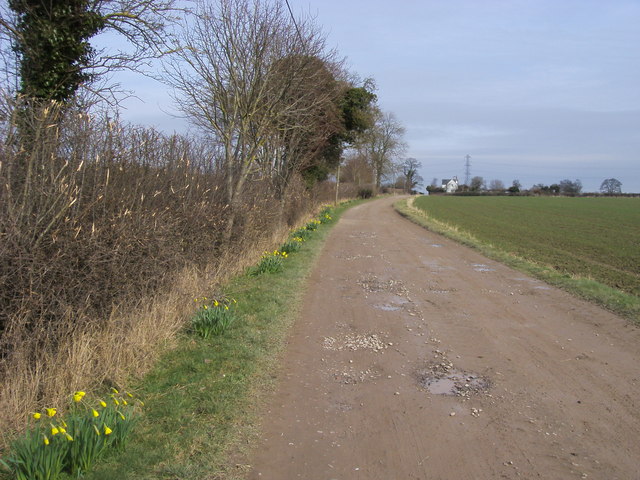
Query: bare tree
{"points": [[477, 184], [383, 143], [243, 73], [496, 185], [568, 187], [611, 186], [393, 175], [410, 168], [357, 169]]}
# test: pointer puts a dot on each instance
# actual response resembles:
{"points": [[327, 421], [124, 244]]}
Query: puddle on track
{"points": [[442, 386], [454, 382], [392, 303], [387, 307], [480, 267]]}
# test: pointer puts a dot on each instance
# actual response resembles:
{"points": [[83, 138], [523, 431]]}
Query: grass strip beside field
{"points": [[202, 397], [620, 302]]}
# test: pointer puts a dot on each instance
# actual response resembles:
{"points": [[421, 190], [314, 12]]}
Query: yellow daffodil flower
{"points": [[69, 437], [54, 431], [121, 416], [62, 430], [36, 415], [45, 440], [124, 402], [103, 404], [94, 412], [107, 430], [114, 390], [51, 411]]}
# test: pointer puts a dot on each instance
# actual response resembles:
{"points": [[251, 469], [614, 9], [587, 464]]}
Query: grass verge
{"points": [[202, 397], [614, 300]]}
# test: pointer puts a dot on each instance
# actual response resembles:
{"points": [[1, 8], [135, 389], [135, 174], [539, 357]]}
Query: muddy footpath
{"points": [[417, 358]]}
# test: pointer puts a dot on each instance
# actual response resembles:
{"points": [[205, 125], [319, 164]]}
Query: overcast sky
{"points": [[535, 90]]}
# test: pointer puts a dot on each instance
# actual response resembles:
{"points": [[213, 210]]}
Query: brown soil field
{"points": [[417, 358]]}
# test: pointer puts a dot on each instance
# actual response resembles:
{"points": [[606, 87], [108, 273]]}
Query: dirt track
{"points": [[416, 358]]}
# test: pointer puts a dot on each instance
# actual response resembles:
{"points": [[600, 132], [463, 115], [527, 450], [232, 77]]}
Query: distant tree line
{"points": [[609, 186]]}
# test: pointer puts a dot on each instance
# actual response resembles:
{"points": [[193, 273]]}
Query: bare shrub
{"points": [[107, 233]]}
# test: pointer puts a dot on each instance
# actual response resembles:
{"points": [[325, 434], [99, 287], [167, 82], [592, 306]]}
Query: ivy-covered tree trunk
{"points": [[53, 46]]}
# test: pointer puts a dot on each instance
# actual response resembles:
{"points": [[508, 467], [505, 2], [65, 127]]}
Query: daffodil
{"points": [[107, 430], [77, 397], [115, 401], [114, 390], [36, 415], [45, 440], [55, 431], [124, 402], [216, 303], [96, 430], [62, 430], [121, 416], [69, 437], [51, 411], [103, 404], [94, 412]]}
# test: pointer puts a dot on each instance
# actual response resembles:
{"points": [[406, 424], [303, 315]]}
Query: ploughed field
{"points": [[597, 238]]}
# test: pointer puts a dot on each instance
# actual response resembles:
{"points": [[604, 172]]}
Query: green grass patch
{"points": [[201, 398], [587, 246]]}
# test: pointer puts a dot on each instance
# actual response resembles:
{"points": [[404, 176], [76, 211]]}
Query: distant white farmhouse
{"points": [[450, 185]]}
